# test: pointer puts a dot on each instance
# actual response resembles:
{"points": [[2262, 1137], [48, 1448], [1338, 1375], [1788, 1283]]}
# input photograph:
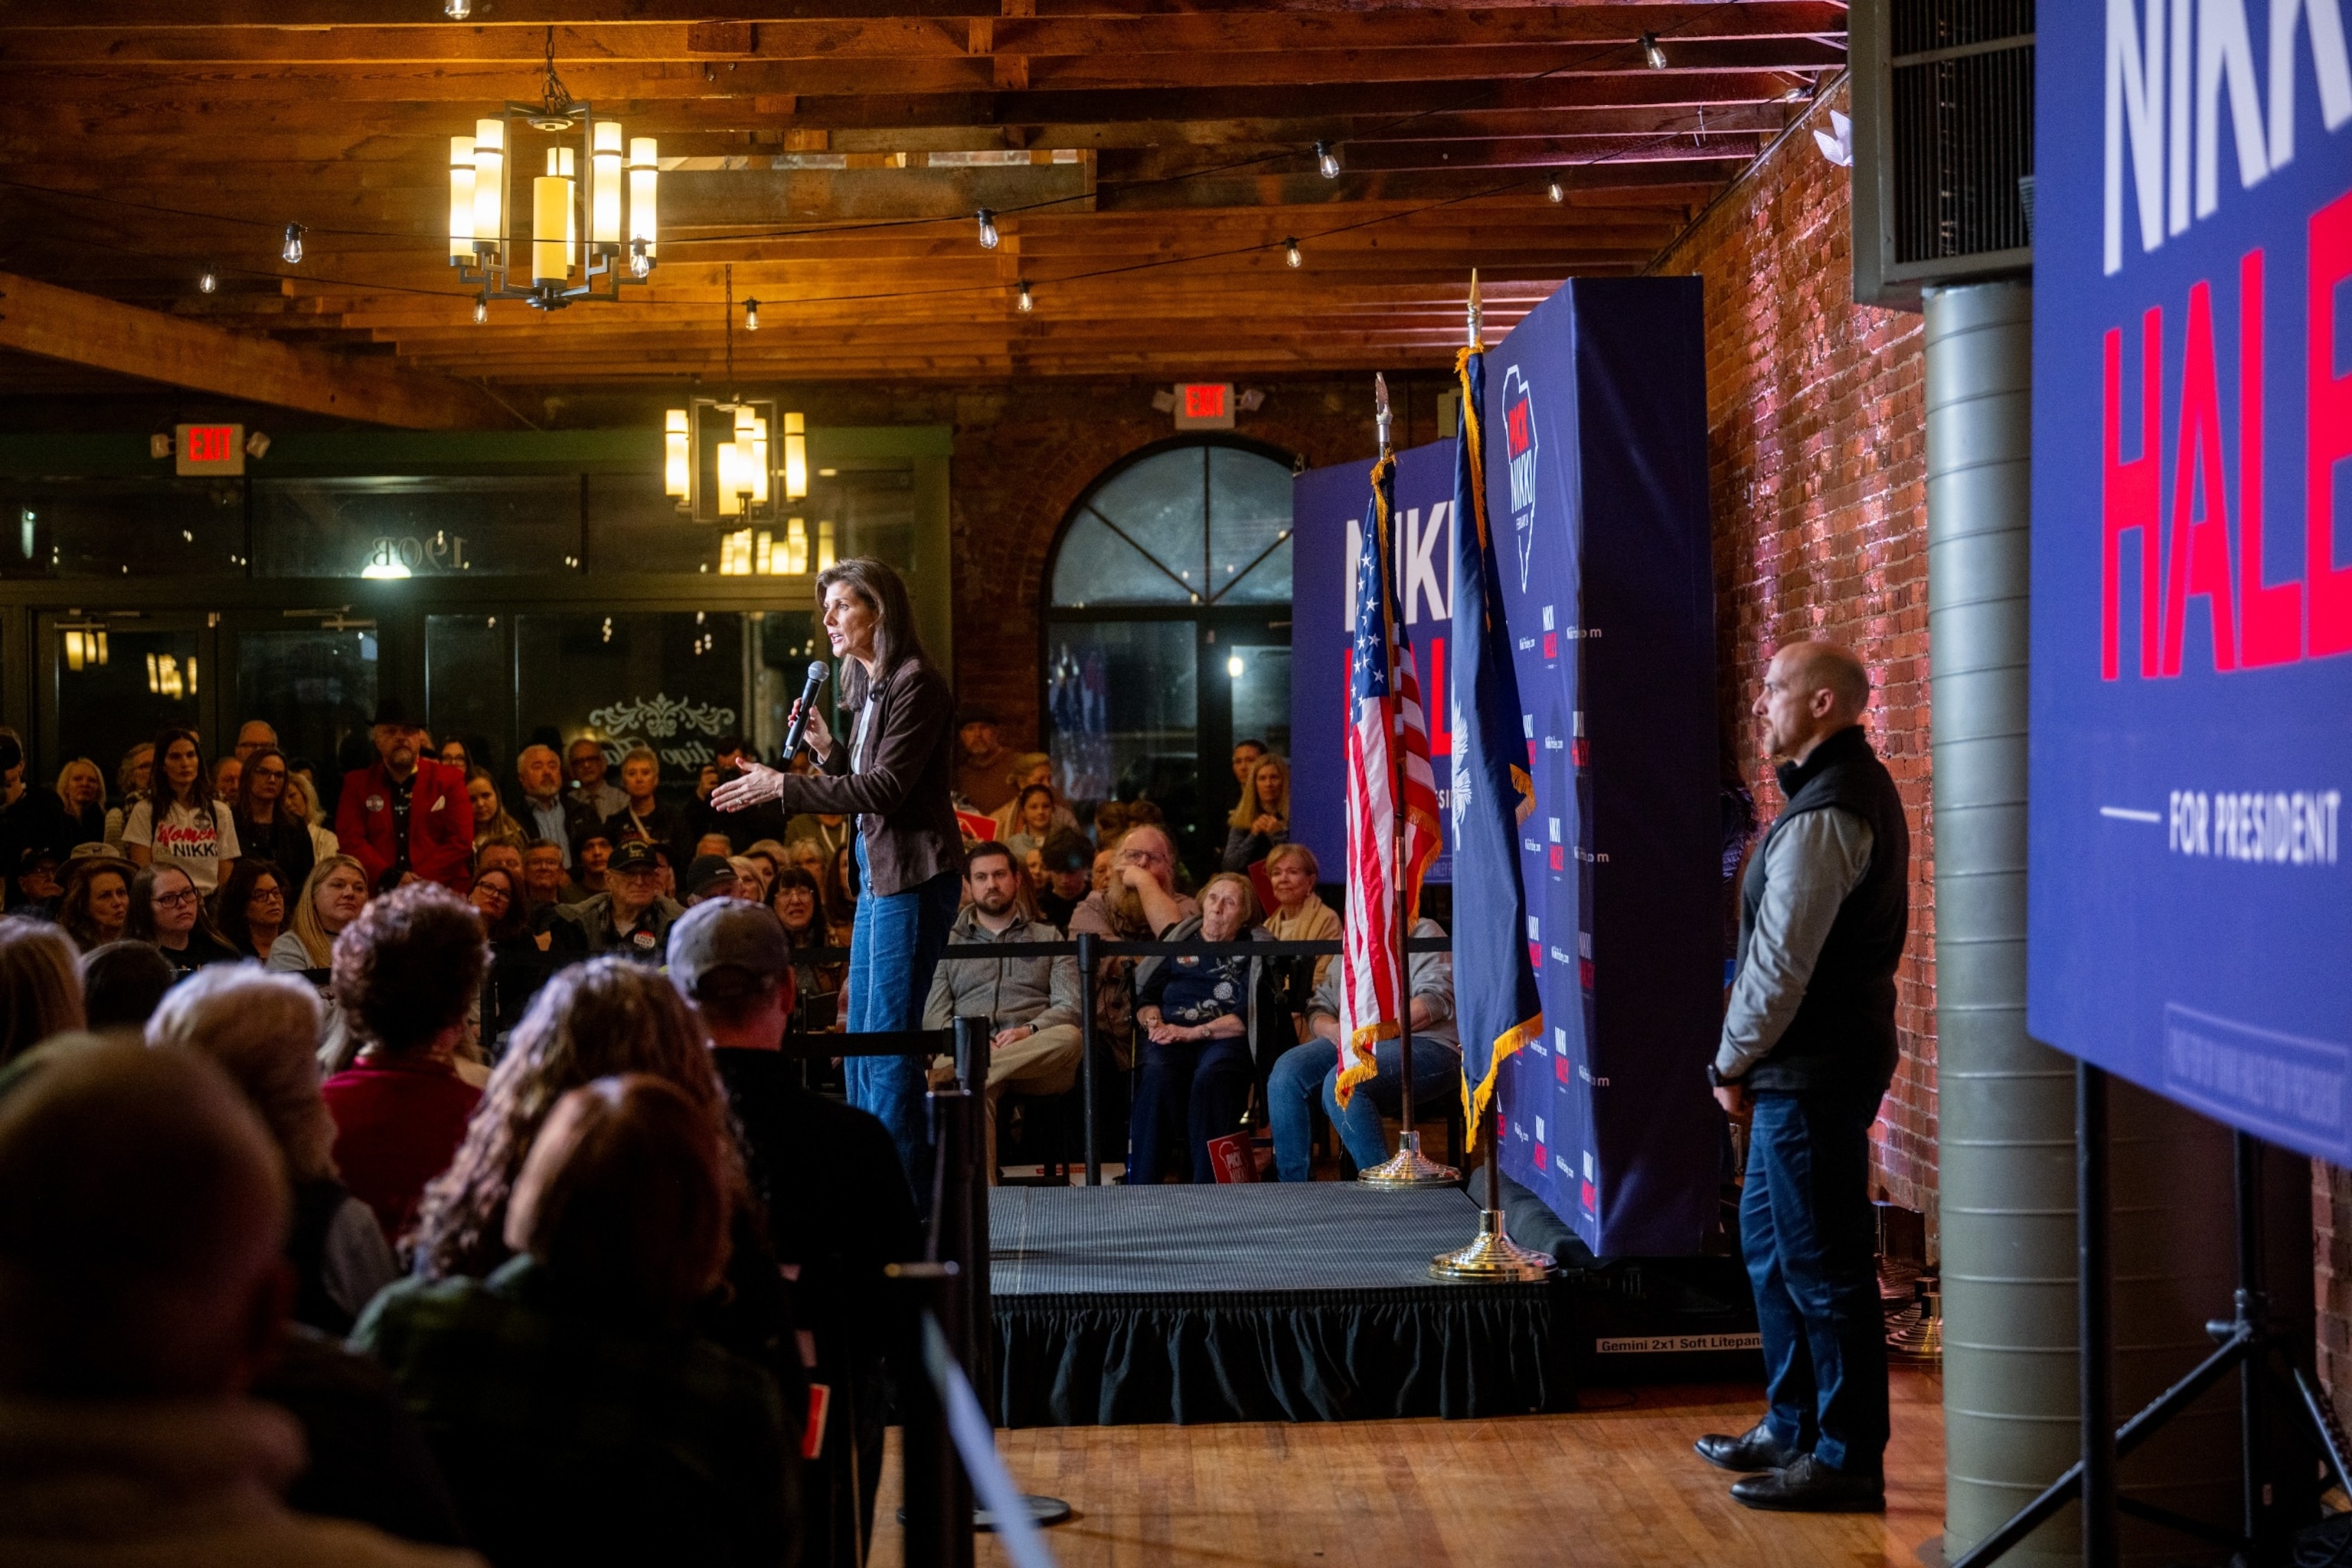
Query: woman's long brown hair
{"points": [[592, 1020]]}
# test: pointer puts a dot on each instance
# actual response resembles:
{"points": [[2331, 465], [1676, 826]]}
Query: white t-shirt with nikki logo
{"points": [[199, 837]]}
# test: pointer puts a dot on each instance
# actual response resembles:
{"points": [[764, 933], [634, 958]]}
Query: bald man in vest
{"points": [[1808, 1050]]}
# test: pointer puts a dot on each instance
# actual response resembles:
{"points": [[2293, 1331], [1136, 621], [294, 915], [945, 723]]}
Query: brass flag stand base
{"points": [[1493, 1256], [1409, 1167]]}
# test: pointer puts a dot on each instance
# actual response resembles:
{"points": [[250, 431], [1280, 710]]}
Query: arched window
{"points": [[1167, 631]]}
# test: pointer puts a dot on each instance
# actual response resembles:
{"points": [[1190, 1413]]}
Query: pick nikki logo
{"points": [[1519, 449]]}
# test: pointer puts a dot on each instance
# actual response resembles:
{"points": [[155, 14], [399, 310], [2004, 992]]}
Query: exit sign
{"points": [[1205, 405], [208, 448]]}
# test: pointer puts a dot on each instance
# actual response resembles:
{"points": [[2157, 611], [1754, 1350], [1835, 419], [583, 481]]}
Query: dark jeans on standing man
{"points": [[1199, 1086], [1805, 1230]]}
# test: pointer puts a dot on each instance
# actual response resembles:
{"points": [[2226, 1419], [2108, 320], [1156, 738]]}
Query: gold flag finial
{"points": [[1380, 408], [1475, 323]]}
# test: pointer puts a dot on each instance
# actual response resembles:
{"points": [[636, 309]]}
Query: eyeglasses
{"points": [[175, 900], [270, 772], [266, 896]]}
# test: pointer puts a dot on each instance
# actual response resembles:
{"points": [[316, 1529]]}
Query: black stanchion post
{"points": [[2254, 1307], [1087, 1052], [972, 1055], [2096, 1315], [939, 1528]]}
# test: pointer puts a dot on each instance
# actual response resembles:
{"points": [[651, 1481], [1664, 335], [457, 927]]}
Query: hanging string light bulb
{"points": [[989, 237], [291, 251], [751, 315], [1556, 191], [207, 281], [1652, 55], [457, 10], [1327, 161], [1024, 304], [1292, 253], [481, 311]]}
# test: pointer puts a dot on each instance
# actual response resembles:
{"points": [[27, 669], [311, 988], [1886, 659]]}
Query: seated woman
{"points": [[95, 909], [252, 906], [1262, 820], [1030, 819], [817, 987], [493, 824], [168, 909], [1298, 916], [1195, 1013], [579, 1416], [592, 1020], [1304, 1071]]}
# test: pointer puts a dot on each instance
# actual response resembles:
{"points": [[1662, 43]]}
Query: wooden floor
{"points": [[1613, 1484]]}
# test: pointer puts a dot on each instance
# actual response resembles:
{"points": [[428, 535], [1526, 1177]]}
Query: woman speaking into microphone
{"points": [[893, 778]]}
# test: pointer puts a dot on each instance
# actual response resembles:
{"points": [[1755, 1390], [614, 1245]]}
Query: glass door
{"points": [[314, 678], [109, 681]]}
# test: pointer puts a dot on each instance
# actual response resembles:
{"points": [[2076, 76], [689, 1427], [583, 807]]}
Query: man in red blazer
{"points": [[406, 816]]}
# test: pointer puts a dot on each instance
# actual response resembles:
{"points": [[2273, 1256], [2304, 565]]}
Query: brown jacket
{"points": [[900, 798]]}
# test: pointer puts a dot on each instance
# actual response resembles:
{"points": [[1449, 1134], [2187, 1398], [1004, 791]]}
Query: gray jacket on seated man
{"points": [[1032, 1003]]}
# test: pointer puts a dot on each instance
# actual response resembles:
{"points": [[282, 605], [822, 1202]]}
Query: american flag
{"points": [[1384, 718]]}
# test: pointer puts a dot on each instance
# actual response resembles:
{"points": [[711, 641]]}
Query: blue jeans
{"points": [[1196, 1091], [1805, 1229], [1304, 1070], [895, 943]]}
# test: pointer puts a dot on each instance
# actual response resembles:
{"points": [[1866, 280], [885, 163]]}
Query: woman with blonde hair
{"points": [[493, 824], [1262, 820], [331, 899], [40, 986], [133, 778], [264, 1029], [82, 790], [302, 801], [1299, 915]]}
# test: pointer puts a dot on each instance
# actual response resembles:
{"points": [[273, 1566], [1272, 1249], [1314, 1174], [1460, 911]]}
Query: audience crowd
{"points": [[432, 1184]]}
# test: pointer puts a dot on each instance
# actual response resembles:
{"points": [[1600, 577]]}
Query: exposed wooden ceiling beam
{"points": [[518, 48], [40, 319]]}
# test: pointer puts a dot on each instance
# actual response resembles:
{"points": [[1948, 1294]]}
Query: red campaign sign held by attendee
{"points": [[2191, 919]]}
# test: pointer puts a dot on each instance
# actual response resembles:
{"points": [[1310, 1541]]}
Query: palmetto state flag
{"points": [[1385, 726], [1495, 1000]]}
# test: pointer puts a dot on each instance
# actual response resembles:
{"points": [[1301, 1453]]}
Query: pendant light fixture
{"points": [[1294, 257], [580, 227], [1327, 161], [291, 251], [733, 460], [989, 237]]}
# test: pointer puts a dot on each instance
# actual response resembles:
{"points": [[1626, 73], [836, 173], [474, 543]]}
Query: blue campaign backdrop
{"points": [[1327, 513], [1596, 445], [2191, 916]]}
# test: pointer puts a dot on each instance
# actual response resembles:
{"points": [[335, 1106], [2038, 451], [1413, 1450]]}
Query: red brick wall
{"points": [[1023, 457], [1817, 439]]}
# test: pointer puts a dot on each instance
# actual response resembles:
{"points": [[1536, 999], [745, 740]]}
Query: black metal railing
{"points": [[1090, 950]]}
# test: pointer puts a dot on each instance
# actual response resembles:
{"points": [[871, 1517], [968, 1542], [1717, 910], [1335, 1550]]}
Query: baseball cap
{"points": [[707, 872], [637, 854], [726, 934]]}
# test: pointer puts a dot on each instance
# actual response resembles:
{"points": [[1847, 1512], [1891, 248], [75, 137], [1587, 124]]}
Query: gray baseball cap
{"points": [[727, 933]]}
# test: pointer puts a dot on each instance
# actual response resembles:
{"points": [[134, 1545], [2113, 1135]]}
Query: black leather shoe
{"points": [[1754, 1450], [1810, 1486]]}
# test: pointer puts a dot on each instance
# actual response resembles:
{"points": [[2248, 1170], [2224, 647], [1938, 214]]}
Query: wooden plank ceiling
{"points": [[1148, 161]]}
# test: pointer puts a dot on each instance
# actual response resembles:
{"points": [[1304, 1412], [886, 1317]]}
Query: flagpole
{"points": [[1408, 1167], [1494, 1258]]}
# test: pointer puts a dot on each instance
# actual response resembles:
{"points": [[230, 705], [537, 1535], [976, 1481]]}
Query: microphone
{"points": [[797, 726]]}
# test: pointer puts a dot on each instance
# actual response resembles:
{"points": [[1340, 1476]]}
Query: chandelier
{"points": [[733, 460], [579, 233]]}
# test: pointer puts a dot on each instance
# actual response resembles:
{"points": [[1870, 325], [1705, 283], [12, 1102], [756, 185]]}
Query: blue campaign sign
{"points": [[1596, 459], [2191, 912], [1327, 513]]}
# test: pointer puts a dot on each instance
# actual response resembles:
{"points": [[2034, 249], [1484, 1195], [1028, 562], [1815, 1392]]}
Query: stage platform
{"points": [[1308, 1301]]}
